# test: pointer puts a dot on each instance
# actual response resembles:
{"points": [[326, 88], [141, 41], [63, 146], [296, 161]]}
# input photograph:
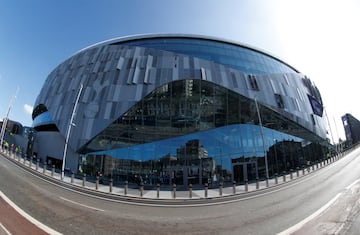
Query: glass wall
{"points": [[241, 58], [194, 131]]}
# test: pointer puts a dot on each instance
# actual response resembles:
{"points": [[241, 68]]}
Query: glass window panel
{"points": [[214, 51]]}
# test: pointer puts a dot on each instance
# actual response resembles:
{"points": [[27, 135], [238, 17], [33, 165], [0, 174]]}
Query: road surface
{"points": [[270, 213]]}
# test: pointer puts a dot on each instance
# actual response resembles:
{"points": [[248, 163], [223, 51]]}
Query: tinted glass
{"points": [[235, 56], [196, 131]]}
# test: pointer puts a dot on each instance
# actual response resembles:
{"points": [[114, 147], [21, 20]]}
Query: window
{"points": [[313, 119], [252, 81], [279, 101]]}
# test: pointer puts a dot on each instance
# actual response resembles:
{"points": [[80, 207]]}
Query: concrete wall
{"points": [[54, 148]]}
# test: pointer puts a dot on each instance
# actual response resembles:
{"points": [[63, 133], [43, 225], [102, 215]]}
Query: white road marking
{"points": [[316, 213], [28, 217], [76, 203], [297, 226], [350, 186], [3, 228]]}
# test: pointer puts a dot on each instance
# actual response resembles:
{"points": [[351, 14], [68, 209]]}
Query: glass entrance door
{"points": [[244, 171]]}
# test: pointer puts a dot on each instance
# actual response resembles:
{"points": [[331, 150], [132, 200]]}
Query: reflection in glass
{"points": [[235, 56], [194, 131]]}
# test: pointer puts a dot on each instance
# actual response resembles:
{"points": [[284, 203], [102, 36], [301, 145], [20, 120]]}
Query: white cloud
{"points": [[28, 109]]}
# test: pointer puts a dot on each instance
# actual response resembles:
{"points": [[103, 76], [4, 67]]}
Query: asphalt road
{"points": [[269, 213]]}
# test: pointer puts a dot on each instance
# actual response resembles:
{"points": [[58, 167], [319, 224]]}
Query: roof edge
{"points": [[189, 36]]}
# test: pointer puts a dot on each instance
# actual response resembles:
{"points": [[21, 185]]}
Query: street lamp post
{"points": [[69, 130], [4, 124], [263, 139]]}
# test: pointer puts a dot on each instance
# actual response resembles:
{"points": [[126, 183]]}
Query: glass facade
{"points": [[179, 109], [240, 58], [194, 131]]}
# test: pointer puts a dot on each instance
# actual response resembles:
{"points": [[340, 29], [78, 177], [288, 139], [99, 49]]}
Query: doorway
{"points": [[243, 171]]}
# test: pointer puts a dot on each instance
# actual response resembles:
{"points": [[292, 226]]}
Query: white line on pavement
{"points": [[3, 228], [76, 203], [350, 186], [309, 218], [28, 217]]}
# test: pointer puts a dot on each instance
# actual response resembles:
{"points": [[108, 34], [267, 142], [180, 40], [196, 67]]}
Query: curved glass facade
{"points": [[196, 131], [179, 109], [241, 58], [43, 119], [204, 157]]}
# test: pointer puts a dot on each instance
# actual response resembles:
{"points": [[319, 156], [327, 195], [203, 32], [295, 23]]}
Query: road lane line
{"points": [[3, 228], [309, 218], [76, 203], [350, 186], [28, 217]]}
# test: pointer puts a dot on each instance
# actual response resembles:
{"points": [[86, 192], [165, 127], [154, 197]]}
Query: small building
{"points": [[352, 129]]}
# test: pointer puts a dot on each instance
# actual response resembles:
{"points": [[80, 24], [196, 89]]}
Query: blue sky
{"points": [[320, 38]]}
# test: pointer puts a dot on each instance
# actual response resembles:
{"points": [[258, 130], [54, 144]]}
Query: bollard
{"points": [[267, 182], [157, 190], [126, 187], [110, 185], [30, 162], [141, 187], [297, 172], [97, 183], [206, 190], [53, 170], [284, 176], [190, 190], [37, 164], [220, 189], [317, 165], [72, 177], [313, 167], [24, 159], [234, 187], [303, 171], [174, 191], [276, 178], [44, 168], [257, 183], [291, 174], [84, 179], [246, 185]]}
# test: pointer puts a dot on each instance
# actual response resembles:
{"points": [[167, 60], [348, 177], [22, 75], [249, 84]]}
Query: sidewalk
{"points": [[170, 194]]}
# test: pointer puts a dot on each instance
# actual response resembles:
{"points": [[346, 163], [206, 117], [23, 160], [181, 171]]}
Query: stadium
{"points": [[181, 109]]}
